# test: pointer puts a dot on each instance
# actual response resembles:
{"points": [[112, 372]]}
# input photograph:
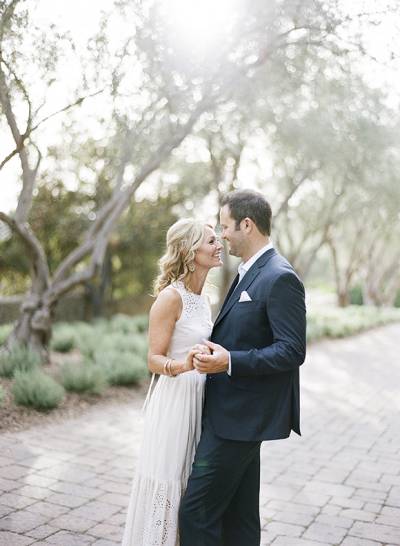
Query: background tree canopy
{"points": [[169, 104]]}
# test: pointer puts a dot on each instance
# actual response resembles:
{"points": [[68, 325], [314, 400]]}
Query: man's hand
{"points": [[216, 362]]}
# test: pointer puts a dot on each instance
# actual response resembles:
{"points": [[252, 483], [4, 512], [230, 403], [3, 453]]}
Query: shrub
{"points": [[135, 344], [5, 330], [356, 295], [19, 358], [122, 368], [128, 325], [35, 389], [141, 323], [83, 378], [63, 339], [88, 337], [336, 322]]}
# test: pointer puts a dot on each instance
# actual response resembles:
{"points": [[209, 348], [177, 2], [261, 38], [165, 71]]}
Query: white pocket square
{"points": [[244, 296]]}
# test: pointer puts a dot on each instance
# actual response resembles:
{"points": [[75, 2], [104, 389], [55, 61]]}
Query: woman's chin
{"points": [[216, 263]]}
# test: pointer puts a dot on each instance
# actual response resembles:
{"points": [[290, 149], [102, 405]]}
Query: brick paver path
{"points": [[68, 484]]}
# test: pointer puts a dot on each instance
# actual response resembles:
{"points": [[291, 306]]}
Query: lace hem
{"points": [[152, 518]]}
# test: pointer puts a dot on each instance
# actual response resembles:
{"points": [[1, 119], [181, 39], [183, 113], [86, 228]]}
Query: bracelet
{"points": [[166, 365], [170, 369]]}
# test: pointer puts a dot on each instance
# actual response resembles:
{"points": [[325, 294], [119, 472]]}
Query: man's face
{"points": [[234, 237]]}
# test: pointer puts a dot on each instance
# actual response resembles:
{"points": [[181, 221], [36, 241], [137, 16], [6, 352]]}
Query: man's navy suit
{"points": [[266, 338]]}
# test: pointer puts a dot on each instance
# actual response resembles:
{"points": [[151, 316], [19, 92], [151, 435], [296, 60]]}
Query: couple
{"points": [[197, 480]]}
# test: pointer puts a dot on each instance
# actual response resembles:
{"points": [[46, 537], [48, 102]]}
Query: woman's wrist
{"points": [[173, 368], [177, 367]]}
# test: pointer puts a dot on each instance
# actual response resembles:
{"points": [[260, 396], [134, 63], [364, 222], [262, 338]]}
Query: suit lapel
{"points": [[231, 289], [244, 284]]}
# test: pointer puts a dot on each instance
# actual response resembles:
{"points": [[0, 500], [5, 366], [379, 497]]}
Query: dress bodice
{"points": [[193, 325]]}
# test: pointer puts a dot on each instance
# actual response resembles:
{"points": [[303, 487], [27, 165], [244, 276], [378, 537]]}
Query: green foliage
{"points": [[397, 300], [88, 336], [119, 334], [356, 295], [63, 339], [337, 322], [120, 343], [125, 324], [83, 378], [35, 389], [122, 368], [5, 330], [139, 243], [141, 323], [20, 358], [114, 351]]}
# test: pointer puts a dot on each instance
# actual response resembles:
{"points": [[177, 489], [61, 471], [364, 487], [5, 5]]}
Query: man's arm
{"points": [[287, 318]]}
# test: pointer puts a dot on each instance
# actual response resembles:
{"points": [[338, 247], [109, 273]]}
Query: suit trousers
{"points": [[221, 504]]}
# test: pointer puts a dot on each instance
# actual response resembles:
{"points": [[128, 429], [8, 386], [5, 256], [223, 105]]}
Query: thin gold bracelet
{"points": [[166, 364], [170, 368]]}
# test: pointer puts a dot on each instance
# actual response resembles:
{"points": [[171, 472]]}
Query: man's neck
{"points": [[258, 245]]}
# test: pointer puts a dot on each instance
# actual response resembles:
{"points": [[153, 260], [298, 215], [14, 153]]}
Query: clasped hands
{"points": [[209, 357]]}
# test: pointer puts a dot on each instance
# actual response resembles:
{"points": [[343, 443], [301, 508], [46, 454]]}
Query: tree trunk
{"points": [[226, 276], [95, 293], [343, 298], [33, 328]]}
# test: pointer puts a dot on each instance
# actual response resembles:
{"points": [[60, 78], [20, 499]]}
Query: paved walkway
{"points": [[68, 484]]}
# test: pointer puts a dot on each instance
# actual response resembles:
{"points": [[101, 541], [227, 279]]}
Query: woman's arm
{"points": [[164, 313]]}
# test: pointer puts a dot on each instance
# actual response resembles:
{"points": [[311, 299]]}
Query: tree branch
{"points": [[78, 102], [110, 212], [33, 245]]}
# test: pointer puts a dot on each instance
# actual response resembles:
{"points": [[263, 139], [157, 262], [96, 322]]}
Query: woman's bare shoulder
{"points": [[168, 300]]}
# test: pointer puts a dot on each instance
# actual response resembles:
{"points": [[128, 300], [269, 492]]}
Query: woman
{"points": [[180, 319]]}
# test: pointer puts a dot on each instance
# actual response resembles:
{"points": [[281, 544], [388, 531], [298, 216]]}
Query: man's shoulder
{"points": [[278, 265], [280, 269]]}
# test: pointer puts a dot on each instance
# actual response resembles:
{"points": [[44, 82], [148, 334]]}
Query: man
{"points": [[252, 388]]}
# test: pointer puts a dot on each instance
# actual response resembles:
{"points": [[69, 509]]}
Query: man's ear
{"points": [[248, 224]]}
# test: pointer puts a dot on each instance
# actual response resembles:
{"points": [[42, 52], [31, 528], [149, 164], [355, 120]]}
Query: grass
{"points": [[36, 389]]}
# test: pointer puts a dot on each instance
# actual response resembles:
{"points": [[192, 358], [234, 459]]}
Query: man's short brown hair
{"points": [[249, 204]]}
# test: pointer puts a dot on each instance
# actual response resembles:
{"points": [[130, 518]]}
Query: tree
{"points": [[153, 96]]}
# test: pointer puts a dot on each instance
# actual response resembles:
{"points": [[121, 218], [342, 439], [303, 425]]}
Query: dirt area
{"points": [[14, 417]]}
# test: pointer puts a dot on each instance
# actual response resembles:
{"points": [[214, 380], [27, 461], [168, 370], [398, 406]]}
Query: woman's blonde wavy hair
{"points": [[183, 239]]}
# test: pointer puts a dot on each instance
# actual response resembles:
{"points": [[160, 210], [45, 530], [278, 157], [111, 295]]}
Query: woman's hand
{"points": [[196, 349], [188, 366], [202, 348]]}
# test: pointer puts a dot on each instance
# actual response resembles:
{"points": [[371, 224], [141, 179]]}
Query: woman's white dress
{"points": [[172, 431]]}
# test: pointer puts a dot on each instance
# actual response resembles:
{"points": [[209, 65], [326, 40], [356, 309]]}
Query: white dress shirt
{"points": [[243, 269]]}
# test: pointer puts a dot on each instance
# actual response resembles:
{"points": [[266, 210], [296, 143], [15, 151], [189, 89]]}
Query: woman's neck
{"points": [[196, 280]]}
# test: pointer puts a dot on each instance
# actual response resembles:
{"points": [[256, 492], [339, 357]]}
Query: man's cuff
{"points": [[228, 371]]}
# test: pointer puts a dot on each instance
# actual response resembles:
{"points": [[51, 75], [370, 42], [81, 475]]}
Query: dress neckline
{"points": [[182, 284]]}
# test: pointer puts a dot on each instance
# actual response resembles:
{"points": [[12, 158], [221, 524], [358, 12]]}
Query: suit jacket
{"points": [[267, 341]]}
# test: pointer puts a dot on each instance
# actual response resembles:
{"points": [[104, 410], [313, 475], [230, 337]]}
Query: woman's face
{"points": [[208, 254]]}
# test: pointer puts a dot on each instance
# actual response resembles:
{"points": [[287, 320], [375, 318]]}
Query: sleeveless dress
{"points": [[172, 428]]}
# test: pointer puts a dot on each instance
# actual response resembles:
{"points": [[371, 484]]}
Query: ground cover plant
{"points": [[87, 359]]}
